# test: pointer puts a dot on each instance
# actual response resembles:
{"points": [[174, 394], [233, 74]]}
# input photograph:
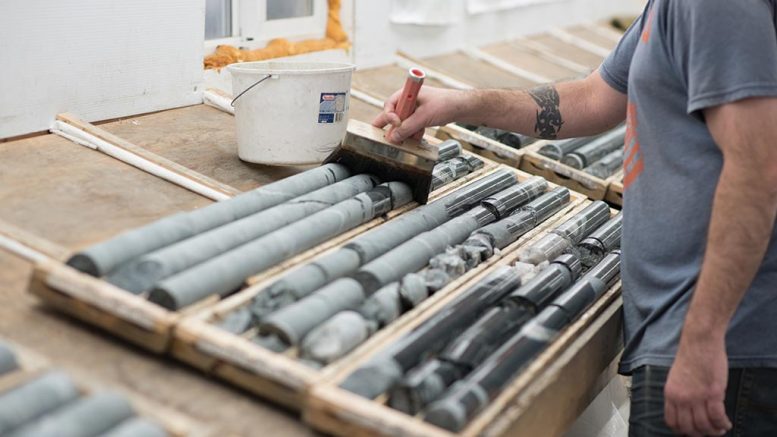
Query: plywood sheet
{"points": [[384, 81], [571, 52], [98, 359], [201, 138], [523, 58], [475, 72], [76, 196]]}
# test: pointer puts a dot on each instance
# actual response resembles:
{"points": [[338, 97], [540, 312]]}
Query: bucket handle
{"points": [[249, 88]]}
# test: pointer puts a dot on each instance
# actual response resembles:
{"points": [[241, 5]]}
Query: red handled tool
{"points": [[407, 101]]}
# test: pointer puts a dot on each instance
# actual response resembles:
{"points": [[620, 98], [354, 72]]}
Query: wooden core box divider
{"points": [[280, 377], [544, 400]]}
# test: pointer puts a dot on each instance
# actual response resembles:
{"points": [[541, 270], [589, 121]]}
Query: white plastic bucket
{"points": [[297, 115]]}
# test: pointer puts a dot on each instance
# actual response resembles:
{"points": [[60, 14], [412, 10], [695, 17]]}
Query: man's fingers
{"points": [[670, 415], [408, 127], [419, 135], [718, 418], [385, 119], [701, 423], [381, 120], [685, 421]]}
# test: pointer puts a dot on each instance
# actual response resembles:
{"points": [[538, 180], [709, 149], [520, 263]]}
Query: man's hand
{"points": [[696, 387], [436, 107]]}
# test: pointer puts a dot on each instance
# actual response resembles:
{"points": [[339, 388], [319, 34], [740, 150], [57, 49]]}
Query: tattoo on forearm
{"points": [[549, 120]]}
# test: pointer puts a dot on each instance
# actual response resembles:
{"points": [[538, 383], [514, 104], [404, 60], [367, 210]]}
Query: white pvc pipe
{"points": [[218, 101], [86, 139], [21, 250]]}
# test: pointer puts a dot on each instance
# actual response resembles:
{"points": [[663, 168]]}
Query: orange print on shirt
{"points": [[634, 163], [648, 25]]}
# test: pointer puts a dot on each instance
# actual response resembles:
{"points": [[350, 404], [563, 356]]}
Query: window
{"points": [[252, 23], [280, 9], [218, 19]]}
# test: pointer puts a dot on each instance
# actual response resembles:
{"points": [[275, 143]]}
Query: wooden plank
{"points": [[200, 138], [530, 60], [568, 51], [544, 400], [280, 377], [615, 190], [86, 353], [102, 134], [75, 197], [32, 365], [478, 73], [95, 301]]}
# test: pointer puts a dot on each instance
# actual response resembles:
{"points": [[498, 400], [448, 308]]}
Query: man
{"points": [[696, 81]]}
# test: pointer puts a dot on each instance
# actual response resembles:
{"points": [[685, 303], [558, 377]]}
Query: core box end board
{"points": [[544, 400], [146, 324], [280, 378]]}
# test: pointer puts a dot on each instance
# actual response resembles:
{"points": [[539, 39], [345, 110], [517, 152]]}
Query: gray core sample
{"points": [[390, 301], [136, 427], [7, 359], [452, 169], [596, 150], [227, 272], [606, 166], [566, 236], [557, 149], [304, 280], [35, 398], [85, 417], [294, 321], [142, 273], [102, 258], [448, 149], [603, 240]]}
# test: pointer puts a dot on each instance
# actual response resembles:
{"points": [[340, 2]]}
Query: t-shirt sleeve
{"points": [[726, 50], [615, 68]]}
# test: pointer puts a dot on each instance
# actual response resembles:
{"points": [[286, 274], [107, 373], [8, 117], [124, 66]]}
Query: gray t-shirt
{"points": [[678, 58]]}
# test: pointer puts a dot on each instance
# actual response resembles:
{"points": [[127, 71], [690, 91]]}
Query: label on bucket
{"points": [[332, 107]]}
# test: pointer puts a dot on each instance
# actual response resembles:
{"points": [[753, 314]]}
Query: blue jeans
{"points": [[751, 402]]}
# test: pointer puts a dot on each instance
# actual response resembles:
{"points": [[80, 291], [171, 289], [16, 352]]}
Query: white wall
{"points": [[100, 59], [376, 39]]}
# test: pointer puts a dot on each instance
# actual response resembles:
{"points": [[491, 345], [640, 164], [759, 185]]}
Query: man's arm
{"points": [[743, 218], [563, 110]]}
